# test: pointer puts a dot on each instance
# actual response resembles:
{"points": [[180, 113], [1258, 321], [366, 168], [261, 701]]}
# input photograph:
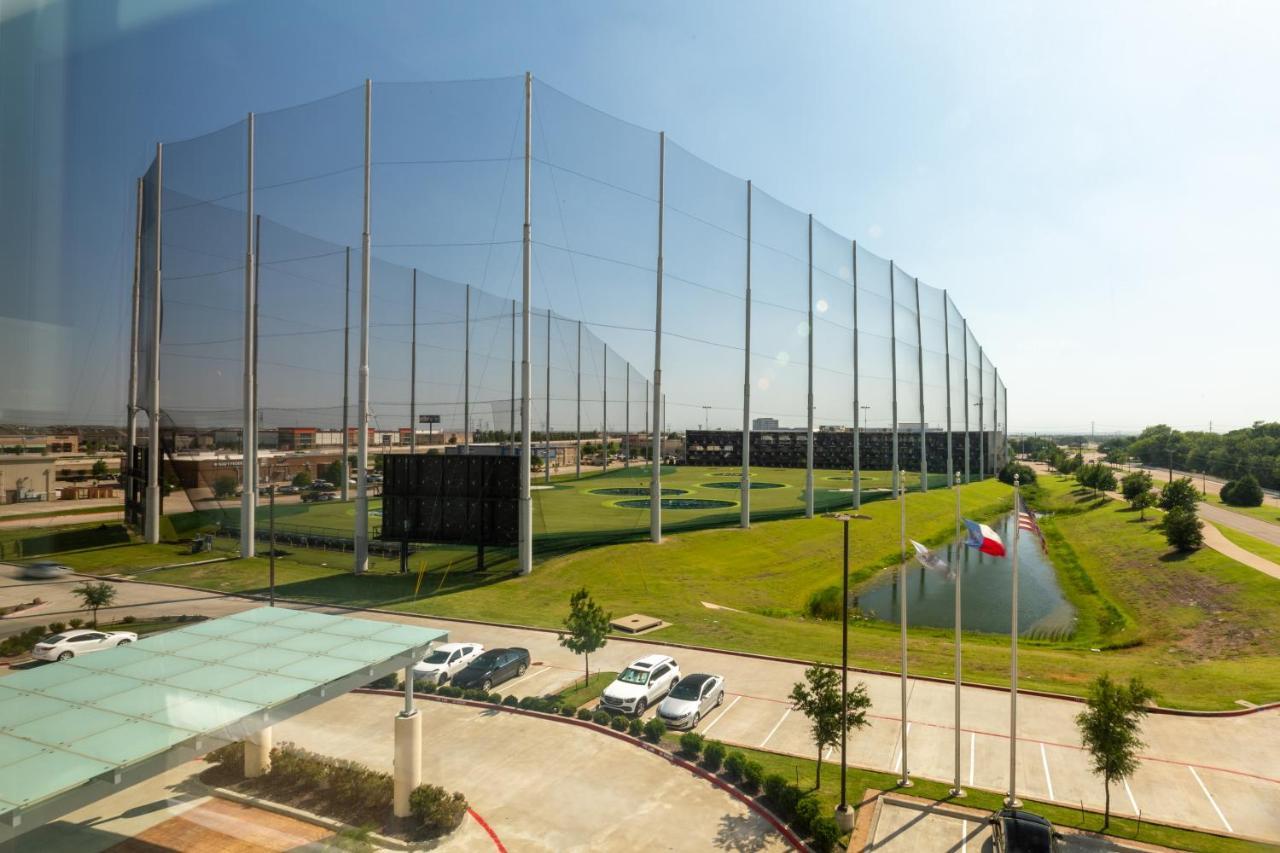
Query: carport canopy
{"points": [[75, 731]]}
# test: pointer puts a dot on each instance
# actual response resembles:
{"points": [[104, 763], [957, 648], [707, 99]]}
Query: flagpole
{"points": [[905, 780], [1012, 799], [956, 790]]}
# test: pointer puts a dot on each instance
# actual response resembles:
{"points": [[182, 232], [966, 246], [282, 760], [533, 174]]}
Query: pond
{"points": [[1043, 611]]}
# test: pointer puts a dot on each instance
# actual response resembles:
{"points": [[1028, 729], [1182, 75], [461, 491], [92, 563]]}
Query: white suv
{"points": [[640, 685]]}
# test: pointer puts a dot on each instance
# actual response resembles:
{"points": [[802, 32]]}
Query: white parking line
{"points": [[735, 701], [785, 714], [1044, 760], [964, 836], [1212, 801], [1132, 801], [973, 738], [542, 671]]}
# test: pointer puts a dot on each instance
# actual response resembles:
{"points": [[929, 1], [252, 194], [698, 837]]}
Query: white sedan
{"points": [[445, 661], [71, 644]]}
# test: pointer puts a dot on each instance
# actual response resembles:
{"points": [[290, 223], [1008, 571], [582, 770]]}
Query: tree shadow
{"points": [[740, 833], [1176, 556]]}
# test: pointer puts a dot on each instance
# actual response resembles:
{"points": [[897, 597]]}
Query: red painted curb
{"points": [[497, 842], [732, 790], [933, 679]]}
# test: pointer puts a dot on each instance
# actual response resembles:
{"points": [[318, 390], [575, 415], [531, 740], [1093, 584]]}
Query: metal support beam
{"points": [[744, 520], [898, 485], [362, 420], [151, 526], [248, 435], [546, 438], [857, 411], [577, 441], [946, 348], [808, 440], [659, 401], [967, 405], [924, 435], [413, 364], [131, 403], [346, 379], [466, 374], [526, 448]]}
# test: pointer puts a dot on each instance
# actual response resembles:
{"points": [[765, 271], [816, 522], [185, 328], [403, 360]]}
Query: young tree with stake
{"points": [[587, 628], [818, 698], [95, 595], [1109, 728]]}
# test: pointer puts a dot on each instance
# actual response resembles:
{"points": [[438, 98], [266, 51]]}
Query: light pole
{"points": [[706, 417], [865, 409]]}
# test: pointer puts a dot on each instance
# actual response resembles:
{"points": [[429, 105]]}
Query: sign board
{"points": [[428, 419], [544, 453], [457, 499]]}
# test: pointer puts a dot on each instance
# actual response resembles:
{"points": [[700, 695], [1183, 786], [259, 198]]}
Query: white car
{"points": [[445, 661], [72, 644], [644, 682], [44, 570], [691, 699]]}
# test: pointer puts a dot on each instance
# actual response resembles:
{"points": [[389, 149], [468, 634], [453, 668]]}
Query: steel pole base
{"points": [[956, 793], [905, 782], [1012, 801], [845, 817]]}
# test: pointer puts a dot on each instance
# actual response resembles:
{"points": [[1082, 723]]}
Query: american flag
{"points": [[1027, 522]]}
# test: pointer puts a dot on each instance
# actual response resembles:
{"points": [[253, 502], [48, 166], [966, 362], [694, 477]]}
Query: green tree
{"points": [[224, 487], [332, 472], [1109, 728], [99, 469], [1242, 492], [1183, 530], [1179, 494], [818, 698], [1143, 501], [95, 595], [302, 478], [1026, 474], [586, 628], [1137, 483]]}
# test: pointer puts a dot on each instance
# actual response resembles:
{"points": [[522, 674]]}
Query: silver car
{"points": [[691, 699], [44, 570]]}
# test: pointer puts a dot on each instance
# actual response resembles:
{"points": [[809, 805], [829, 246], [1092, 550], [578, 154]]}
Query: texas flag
{"points": [[984, 539]]}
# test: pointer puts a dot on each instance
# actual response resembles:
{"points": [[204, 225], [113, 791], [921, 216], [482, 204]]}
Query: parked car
{"points": [[644, 682], [689, 700], [44, 570], [71, 644], [313, 496], [1016, 831], [492, 668], [445, 661], [288, 490], [321, 484]]}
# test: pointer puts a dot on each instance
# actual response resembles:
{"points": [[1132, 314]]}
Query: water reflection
{"points": [[1043, 611]]}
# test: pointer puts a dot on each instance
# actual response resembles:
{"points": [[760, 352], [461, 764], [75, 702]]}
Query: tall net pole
{"points": [[151, 526], [413, 365], [659, 401], [362, 420], [808, 444], [346, 377], [577, 440], [526, 443], [546, 439], [1012, 798], [924, 434], [982, 423], [967, 406], [946, 350], [857, 423], [466, 373], [905, 779], [898, 483], [604, 410], [744, 519], [511, 413], [131, 404], [248, 438]]}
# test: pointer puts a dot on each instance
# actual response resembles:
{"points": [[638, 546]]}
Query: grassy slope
{"points": [[1200, 628]]}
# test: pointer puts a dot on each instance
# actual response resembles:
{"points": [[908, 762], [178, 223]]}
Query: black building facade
{"points": [[833, 449]]}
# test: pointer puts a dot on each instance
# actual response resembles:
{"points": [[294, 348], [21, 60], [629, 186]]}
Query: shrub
{"points": [[57, 627], [691, 744], [654, 729], [752, 776], [566, 711], [824, 603], [635, 728], [1179, 493], [1026, 475], [713, 755], [619, 723], [75, 623], [436, 810], [601, 718], [1182, 529], [734, 763], [1242, 492], [421, 685], [782, 795], [232, 753], [450, 691], [510, 701], [584, 713], [475, 694], [807, 810], [129, 620], [386, 682], [494, 698], [826, 834]]}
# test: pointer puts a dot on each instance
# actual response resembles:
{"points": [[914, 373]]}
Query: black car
{"points": [[492, 668], [1016, 831]]}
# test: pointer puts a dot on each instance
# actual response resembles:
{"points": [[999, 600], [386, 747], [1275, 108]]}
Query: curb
{"points": [[933, 679], [732, 790]]}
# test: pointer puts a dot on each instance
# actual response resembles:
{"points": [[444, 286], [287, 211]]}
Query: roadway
{"points": [[1212, 773]]}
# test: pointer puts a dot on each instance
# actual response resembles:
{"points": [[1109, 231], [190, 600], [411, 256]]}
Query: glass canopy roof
{"points": [[69, 723]]}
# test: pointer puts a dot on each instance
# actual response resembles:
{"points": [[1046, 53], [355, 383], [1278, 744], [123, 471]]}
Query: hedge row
{"points": [[345, 790]]}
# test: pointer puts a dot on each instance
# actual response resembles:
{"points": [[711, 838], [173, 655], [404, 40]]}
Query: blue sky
{"points": [[1095, 184]]}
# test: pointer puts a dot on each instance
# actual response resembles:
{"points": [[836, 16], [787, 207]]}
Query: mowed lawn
{"points": [[1200, 628], [1266, 512]]}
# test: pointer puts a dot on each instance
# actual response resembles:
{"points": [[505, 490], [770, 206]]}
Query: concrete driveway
{"points": [[540, 784]]}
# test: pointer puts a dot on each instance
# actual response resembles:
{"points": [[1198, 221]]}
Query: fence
{"points": [[385, 225]]}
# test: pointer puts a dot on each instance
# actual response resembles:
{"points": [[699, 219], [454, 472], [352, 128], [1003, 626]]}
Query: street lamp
{"points": [[844, 814]]}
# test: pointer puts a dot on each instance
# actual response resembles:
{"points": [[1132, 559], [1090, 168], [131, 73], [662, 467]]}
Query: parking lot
{"points": [[1212, 773]]}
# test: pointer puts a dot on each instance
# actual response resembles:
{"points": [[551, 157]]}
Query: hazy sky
{"points": [[1096, 184]]}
